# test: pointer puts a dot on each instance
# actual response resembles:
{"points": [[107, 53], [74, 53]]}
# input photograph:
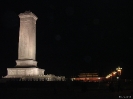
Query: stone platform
{"points": [[31, 74], [19, 72]]}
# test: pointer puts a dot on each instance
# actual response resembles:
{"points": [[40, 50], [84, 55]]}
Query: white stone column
{"points": [[26, 50], [27, 40]]}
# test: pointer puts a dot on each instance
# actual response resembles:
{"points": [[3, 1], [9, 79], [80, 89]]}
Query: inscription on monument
{"points": [[27, 39], [24, 42]]}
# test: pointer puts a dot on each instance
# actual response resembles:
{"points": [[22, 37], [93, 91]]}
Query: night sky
{"points": [[73, 36]]}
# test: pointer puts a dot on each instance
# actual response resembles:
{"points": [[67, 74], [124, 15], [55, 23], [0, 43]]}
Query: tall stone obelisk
{"points": [[27, 40], [26, 64]]}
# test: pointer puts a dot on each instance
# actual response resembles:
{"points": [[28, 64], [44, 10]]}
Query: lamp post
{"points": [[119, 71]]}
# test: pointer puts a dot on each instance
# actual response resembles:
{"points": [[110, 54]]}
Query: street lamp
{"points": [[119, 70]]}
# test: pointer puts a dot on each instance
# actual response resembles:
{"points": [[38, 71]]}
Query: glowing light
{"points": [[110, 74], [119, 70], [114, 72], [107, 76]]}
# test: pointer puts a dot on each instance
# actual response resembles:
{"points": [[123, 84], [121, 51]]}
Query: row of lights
{"points": [[114, 72]]}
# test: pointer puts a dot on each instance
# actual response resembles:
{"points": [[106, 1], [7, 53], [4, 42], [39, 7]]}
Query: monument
{"points": [[26, 65], [27, 40]]}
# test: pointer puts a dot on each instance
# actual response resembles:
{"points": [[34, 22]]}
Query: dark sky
{"points": [[72, 36]]}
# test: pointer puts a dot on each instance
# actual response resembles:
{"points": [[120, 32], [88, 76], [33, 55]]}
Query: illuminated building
{"points": [[88, 77]]}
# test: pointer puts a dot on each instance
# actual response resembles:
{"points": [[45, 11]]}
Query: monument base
{"points": [[30, 74], [19, 72], [26, 63]]}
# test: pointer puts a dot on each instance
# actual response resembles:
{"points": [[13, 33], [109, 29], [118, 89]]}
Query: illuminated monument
{"points": [[27, 40], [26, 65]]}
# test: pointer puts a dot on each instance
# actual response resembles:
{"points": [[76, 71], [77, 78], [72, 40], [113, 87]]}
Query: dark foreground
{"points": [[62, 90]]}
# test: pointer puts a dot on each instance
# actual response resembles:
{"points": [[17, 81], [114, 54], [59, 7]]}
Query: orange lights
{"points": [[108, 76], [114, 73], [119, 70], [111, 75]]}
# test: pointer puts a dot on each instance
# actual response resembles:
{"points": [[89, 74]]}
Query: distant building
{"points": [[88, 77]]}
